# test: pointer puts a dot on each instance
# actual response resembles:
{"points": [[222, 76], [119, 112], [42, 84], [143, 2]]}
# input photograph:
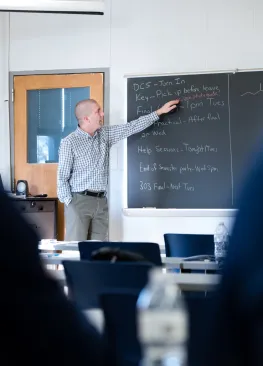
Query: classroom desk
{"points": [[169, 263], [180, 263], [186, 281], [54, 245], [57, 259], [69, 246], [197, 281]]}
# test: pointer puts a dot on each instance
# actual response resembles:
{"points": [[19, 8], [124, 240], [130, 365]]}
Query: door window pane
{"points": [[50, 117]]}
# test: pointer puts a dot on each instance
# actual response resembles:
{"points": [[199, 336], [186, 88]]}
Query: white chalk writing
{"points": [[205, 168]]}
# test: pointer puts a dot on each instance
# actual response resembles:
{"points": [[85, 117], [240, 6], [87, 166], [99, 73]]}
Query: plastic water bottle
{"points": [[221, 239], [162, 321]]}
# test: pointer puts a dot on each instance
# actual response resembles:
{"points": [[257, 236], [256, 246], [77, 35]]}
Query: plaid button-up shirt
{"points": [[84, 159]]}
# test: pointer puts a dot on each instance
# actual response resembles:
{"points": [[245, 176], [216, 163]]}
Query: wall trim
{"points": [[157, 212]]}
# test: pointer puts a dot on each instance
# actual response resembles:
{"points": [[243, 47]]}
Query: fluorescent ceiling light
{"points": [[53, 6]]}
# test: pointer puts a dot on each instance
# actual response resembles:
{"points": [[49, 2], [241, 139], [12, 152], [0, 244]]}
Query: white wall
{"points": [[4, 120], [161, 36]]}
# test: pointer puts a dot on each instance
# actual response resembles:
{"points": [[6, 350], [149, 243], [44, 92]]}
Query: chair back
{"points": [[121, 327], [200, 313], [87, 280], [187, 245], [150, 251]]}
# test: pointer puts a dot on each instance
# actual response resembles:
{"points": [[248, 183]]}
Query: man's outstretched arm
{"points": [[119, 132]]}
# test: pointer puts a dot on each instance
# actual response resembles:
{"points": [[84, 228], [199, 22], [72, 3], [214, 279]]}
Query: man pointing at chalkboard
{"points": [[83, 168]]}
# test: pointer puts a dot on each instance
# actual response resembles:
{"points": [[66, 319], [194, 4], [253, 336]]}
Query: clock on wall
{"points": [[22, 188]]}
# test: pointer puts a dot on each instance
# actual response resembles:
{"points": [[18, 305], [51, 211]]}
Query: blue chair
{"points": [[187, 245], [87, 280], [150, 251], [120, 329]]}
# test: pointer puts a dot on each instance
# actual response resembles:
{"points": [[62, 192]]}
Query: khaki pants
{"points": [[86, 218]]}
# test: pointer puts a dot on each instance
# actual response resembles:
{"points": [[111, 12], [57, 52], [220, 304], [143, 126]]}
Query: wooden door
{"points": [[42, 177]]}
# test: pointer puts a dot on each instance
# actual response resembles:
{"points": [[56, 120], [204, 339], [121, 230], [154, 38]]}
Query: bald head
{"points": [[89, 115], [84, 108]]}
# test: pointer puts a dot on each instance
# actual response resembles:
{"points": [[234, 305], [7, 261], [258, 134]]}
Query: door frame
{"points": [[12, 74]]}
